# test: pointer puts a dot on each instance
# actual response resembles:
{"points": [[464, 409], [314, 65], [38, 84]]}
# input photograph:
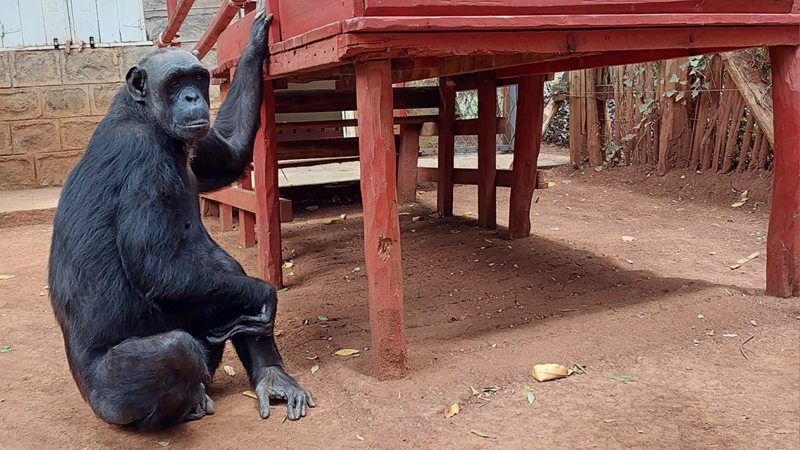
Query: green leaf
{"points": [[642, 108], [531, 397], [283, 290], [706, 85], [163, 443], [669, 93], [695, 93], [625, 378], [322, 318], [648, 101], [314, 369], [674, 78], [5, 349], [528, 388], [628, 137], [679, 96], [628, 83], [684, 66]]}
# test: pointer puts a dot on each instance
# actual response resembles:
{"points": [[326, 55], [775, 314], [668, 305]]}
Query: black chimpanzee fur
{"points": [[144, 297]]}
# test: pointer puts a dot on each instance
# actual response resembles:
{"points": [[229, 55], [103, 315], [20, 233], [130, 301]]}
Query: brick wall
{"points": [[52, 100]]}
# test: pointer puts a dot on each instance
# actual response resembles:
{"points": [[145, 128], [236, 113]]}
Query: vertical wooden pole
{"points": [[649, 93], [783, 238], [225, 217], [381, 224], [409, 159], [247, 220], [575, 100], [487, 150], [592, 120], [530, 110], [447, 143], [268, 210]]}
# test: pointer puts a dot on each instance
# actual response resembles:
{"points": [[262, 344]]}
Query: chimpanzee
{"points": [[144, 297]]}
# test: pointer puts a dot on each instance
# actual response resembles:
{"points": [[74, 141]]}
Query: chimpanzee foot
{"points": [[204, 407], [274, 383], [259, 325]]}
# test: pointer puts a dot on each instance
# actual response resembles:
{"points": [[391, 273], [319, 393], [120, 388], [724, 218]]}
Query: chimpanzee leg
{"points": [[152, 382]]}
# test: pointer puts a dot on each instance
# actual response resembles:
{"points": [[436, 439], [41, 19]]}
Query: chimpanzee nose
{"points": [[191, 97]]}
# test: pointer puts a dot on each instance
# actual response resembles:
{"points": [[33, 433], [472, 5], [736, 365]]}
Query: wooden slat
{"points": [[446, 151], [746, 141], [218, 24], [327, 100], [407, 164], [382, 252], [236, 197], [247, 219], [487, 150], [177, 14], [783, 236]]}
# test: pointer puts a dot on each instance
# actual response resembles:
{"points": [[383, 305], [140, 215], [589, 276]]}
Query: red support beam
{"points": [[783, 238], [177, 14], [225, 217], [487, 150], [447, 143], [265, 163], [218, 24], [527, 141], [409, 158], [381, 223], [247, 220]]}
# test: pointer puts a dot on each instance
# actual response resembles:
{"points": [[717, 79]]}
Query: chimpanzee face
{"points": [[173, 86]]}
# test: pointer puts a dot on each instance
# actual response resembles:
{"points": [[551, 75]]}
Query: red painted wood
{"points": [[246, 200], [408, 161], [298, 17], [471, 177], [603, 60], [381, 223], [218, 24], [487, 150], [176, 14], [225, 217], [373, 45], [446, 151], [233, 40], [527, 141], [265, 163], [551, 22], [519, 7], [247, 219], [783, 238]]}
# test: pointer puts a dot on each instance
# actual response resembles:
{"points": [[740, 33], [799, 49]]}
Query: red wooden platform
{"points": [[367, 45]]}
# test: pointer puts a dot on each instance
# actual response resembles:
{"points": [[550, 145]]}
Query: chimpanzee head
{"points": [[172, 87]]}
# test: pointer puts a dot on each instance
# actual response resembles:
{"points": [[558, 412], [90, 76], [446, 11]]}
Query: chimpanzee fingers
{"points": [[263, 401], [310, 400]]}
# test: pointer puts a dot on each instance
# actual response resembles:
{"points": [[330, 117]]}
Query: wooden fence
{"points": [[698, 113]]}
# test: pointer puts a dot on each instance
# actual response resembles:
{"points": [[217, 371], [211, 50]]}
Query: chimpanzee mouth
{"points": [[196, 125]]}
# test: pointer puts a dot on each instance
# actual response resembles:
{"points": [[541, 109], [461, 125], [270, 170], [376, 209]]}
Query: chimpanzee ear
{"points": [[137, 82]]}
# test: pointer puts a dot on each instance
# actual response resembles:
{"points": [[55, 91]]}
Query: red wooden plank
{"points": [[783, 238], [247, 219], [557, 22], [298, 17], [381, 224], [177, 14], [527, 141], [518, 7], [218, 24], [487, 150], [407, 170], [233, 40], [603, 60], [375, 45], [265, 162], [225, 217], [446, 151]]}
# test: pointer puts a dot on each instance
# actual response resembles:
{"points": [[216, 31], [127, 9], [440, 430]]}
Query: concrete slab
{"points": [[29, 199]]}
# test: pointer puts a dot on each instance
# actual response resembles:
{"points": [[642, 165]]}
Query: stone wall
{"points": [[52, 100]]}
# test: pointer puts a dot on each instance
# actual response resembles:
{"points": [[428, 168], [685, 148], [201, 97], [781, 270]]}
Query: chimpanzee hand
{"points": [[259, 33], [274, 383]]}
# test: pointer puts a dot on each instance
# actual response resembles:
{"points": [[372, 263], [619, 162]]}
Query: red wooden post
{"points": [[265, 161], [381, 223], [247, 220], [409, 156], [487, 150], [225, 217], [447, 143], [783, 238], [527, 141]]}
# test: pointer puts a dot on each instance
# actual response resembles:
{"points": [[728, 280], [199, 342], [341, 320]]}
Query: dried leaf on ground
{"points": [[229, 370], [250, 394], [288, 265], [332, 221], [312, 208], [347, 352], [5, 349], [359, 437], [527, 387], [452, 411], [625, 378], [547, 372], [322, 318], [283, 290], [579, 368], [6, 277], [314, 368], [738, 204], [479, 433], [531, 397], [628, 238], [474, 391], [163, 443], [343, 216]]}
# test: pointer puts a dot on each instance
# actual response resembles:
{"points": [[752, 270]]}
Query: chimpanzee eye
{"points": [[198, 77], [175, 82]]}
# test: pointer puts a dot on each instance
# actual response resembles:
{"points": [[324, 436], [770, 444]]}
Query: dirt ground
{"points": [[480, 312]]}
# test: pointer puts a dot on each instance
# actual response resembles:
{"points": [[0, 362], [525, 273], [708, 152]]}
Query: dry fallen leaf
{"points": [[347, 352], [6, 277], [312, 208], [250, 394], [229, 370], [163, 443], [314, 369], [311, 358], [358, 436], [738, 204], [416, 219], [479, 433], [627, 238], [474, 391], [547, 372], [343, 216], [452, 411], [288, 265], [550, 184], [332, 221]]}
